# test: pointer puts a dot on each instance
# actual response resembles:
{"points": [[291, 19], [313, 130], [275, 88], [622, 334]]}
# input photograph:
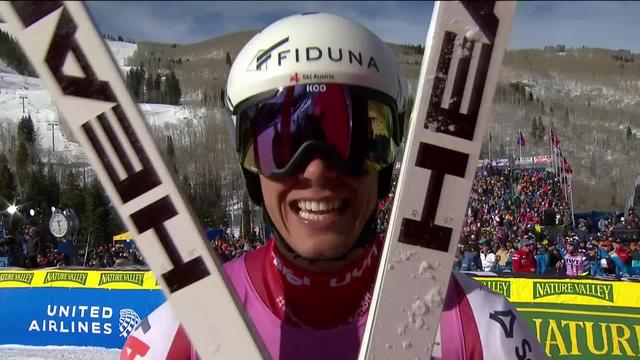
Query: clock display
{"points": [[58, 225]]}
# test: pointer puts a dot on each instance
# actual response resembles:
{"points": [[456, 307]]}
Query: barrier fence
{"points": [[572, 318]]}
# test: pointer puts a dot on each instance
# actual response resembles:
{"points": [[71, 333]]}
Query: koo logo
{"points": [[316, 87]]}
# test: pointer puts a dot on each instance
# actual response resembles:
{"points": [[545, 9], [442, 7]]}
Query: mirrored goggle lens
{"points": [[353, 126]]}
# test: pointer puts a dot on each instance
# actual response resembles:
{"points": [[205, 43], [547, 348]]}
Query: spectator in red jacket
{"points": [[620, 257], [523, 259]]}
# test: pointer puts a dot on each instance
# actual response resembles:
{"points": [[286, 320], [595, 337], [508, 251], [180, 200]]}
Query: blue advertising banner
{"points": [[4, 261], [78, 317]]}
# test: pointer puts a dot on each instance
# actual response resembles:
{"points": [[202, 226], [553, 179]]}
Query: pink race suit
{"points": [[475, 324]]}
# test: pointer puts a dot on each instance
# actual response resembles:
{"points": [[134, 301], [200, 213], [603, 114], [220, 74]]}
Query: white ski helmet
{"points": [[310, 49]]}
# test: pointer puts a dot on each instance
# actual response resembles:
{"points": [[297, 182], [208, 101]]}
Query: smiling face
{"points": [[319, 211]]}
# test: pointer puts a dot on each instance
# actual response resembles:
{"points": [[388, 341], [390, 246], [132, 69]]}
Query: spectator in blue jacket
{"points": [[471, 258], [594, 261], [543, 258]]}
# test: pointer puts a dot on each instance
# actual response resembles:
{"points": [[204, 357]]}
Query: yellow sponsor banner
{"points": [[98, 279], [565, 291]]}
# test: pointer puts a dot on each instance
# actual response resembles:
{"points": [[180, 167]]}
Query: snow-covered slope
{"points": [[121, 51], [559, 86], [37, 102], [5, 69], [21, 352]]}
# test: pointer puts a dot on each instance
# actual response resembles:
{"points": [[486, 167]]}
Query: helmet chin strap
{"points": [[366, 237]]}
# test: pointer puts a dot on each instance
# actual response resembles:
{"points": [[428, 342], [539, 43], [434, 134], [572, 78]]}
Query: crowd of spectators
{"points": [[115, 256], [228, 246], [520, 222], [517, 221], [30, 250]]}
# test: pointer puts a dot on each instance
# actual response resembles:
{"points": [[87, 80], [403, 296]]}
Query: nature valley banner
{"points": [[134, 280], [14, 278], [577, 319], [543, 289]]}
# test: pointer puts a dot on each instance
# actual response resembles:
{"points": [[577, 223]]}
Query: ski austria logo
{"points": [[129, 319]]}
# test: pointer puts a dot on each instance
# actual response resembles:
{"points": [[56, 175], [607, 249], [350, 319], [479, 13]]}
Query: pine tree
{"points": [[8, 189], [541, 130], [52, 190], [157, 87], [171, 156], [22, 160], [98, 215], [228, 59], [534, 129], [13, 56], [135, 79], [71, 194], [26, 130], [246, 216], [35, 190], [593, 165], [148, 89], [172, 89]]}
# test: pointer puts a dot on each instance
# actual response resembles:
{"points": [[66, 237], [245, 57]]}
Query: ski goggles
{"points": [[357, 129]]}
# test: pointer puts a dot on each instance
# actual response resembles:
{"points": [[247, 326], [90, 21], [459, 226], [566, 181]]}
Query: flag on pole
{"points": [[567, 167], [555, 140], [520, 139]]}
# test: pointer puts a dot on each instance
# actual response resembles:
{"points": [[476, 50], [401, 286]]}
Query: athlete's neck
{"points": [[321, 266], [314, 299]]}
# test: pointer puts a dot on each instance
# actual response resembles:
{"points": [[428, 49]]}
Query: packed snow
{"points": [[121, 51], [5, 69], [37, 102], [559, 86], [20, 352]]}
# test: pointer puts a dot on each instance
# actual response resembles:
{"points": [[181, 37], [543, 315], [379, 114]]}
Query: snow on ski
{"points": [[72, 60], [463, 53]]}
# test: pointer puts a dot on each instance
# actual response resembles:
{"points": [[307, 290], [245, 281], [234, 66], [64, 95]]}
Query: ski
{"points": [[464, 48], [72, 60]]}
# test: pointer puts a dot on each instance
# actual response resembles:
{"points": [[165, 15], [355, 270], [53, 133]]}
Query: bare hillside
{"points": [[590, 96]]}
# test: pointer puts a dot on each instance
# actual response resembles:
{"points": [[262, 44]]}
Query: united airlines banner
{"points": [[66, 316], [572, 318], [74, 307]]}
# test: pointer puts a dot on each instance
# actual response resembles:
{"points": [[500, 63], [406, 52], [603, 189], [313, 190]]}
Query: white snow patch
{"points": [[38, 103], [22, 352], [558, 86], [121, 51], [5, 69]]}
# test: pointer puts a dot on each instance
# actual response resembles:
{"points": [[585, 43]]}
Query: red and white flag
{"points": [[567, 167]]}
